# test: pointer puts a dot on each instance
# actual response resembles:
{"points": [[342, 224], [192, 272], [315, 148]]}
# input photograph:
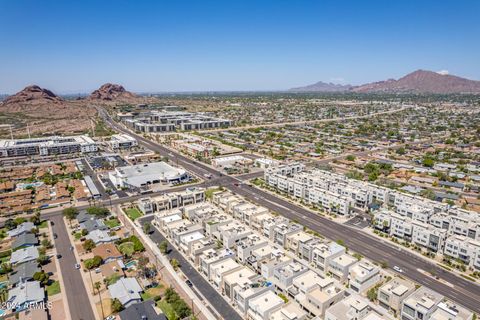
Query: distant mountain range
{"points": [[420, 81], [323, 87]]}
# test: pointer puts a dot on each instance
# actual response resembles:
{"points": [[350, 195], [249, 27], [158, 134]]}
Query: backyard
{"points": [[133, 213]]}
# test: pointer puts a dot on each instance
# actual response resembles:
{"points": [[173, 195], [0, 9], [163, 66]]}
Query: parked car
{"points": [[189, 283], [397, 268], [77, 266], [59, 256], [55, 236]]}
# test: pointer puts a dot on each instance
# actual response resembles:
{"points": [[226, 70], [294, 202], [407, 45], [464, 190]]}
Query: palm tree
{"points": [[97, 286], [3, 294]]}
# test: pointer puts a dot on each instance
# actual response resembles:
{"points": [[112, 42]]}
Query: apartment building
{"points": [[340, 266], [464, 249], [428, 237], [324, 253], [354, 307], [246, 246], [363, 276], [448, 309], [211, 256], [172, 200], [240, 276], [295, 240], [289, 311], [420, 305], [320, 296], [245, 291], [283, 275], [46, 146], [260, 307], [233, 232], [218, 270], [281, 231], [391, 294]]}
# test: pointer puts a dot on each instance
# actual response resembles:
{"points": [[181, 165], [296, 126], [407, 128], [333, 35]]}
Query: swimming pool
{"points": [[131, 264]]}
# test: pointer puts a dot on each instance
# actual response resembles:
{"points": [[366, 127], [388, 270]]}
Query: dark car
{"points": [[55, 236], [59, 256], [189, 283]]}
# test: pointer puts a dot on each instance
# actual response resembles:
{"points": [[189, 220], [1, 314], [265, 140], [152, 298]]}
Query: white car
{"points": [[397, 268]]}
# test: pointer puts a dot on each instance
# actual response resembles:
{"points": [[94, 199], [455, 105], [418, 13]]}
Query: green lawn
{"points": [[53, 288], [127, 249], [3, 233], [77, 235], [43, 224], [112, 223], [152, 292], [133, 213], [167, 309]]}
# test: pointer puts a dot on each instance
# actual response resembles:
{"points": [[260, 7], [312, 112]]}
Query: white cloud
{"points": [[443, 72]]}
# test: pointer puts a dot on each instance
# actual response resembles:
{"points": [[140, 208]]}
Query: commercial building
{"points": [[229, 161], [145, 175], [122, 141], [47, 146], [167, 121]]}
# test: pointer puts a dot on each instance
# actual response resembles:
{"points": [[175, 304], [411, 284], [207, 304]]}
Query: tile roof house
{"points": [[23, 272], [142, 310], [126, 290], [107, 251]]}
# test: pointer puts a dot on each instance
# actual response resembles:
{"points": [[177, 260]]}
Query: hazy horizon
{"points": [[73, 48]]}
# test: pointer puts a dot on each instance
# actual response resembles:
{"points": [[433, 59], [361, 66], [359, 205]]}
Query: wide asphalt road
{"points": [[214, 298], [78, 302], [458, 289]]}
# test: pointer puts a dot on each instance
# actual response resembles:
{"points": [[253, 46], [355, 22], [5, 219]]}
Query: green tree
{"points": [[116, 305], [93, 263], [41, 276], [372, 294], [175, 264], [163, 246], [99, 212], [350, 157], [70, 213], [35, 219], [43, 259], [10, 224], [88, 245], [147, 227], [97, 286], [47, 244]]}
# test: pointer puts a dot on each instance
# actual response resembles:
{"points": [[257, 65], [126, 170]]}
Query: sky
{"points": [[163, 46]]}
